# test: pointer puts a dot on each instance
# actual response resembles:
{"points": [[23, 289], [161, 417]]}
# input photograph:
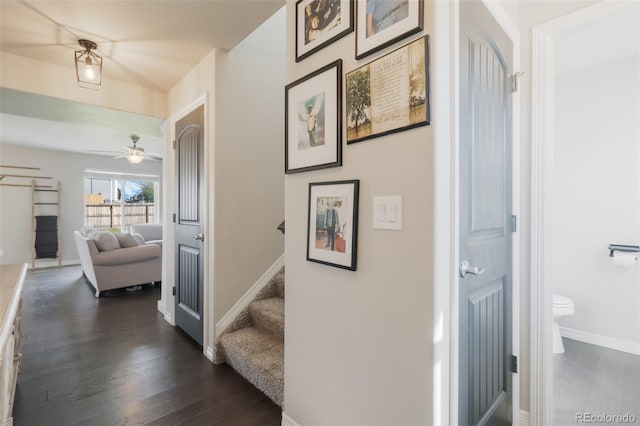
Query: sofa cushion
{"points": [[106, 241], [127, 255], [127, 240], [149, 231]]}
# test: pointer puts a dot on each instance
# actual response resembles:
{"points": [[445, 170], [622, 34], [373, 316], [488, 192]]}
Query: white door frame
{"points": [[445, 109], [166, 305], [542, 145]]}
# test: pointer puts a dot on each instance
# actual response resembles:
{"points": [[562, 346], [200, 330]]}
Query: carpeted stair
{"points": [[254, 342]]}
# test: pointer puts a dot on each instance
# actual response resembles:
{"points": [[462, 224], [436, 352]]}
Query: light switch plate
{"points": [[387, 212]]}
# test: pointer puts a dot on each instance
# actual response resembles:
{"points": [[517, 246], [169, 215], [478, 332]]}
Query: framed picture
{"points": [[332, 228], [380, 23], [390, 94], [320, 23], [313, 130]]}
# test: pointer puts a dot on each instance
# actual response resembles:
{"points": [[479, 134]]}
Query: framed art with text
{"points": [[313, 130], [390, 94], [320, 23], [380, 23], [332, 228]]}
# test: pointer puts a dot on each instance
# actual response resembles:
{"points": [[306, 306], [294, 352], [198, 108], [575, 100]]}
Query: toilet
{"points": [[562, 308]]}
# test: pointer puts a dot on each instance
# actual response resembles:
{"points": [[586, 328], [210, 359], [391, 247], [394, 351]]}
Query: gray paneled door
{"points": [[189, 227], [485, 219]]}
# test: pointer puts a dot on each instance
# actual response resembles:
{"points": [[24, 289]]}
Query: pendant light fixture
{"points": [[88, 66]]}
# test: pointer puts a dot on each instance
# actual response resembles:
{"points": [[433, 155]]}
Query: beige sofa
{"points": [[151, 233], [117, 267]]}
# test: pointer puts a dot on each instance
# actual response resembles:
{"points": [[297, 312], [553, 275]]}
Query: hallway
{"points": [[115, 361]]}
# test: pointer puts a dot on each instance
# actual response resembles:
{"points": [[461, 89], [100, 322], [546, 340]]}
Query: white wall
{"points": [[249, 165], [596, 196], [528, 14], [245, 185], [358, 345], [68, 168]]}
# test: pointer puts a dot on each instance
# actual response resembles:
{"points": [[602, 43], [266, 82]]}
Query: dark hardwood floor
{"points": [[115, 361]]}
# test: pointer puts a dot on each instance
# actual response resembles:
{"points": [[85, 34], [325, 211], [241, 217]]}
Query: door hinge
{"points": [[174, 144], [514, 223], [514, 80], [174, 218], [513, 367], [173, 290]]}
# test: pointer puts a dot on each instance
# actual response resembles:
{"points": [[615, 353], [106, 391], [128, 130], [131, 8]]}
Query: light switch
{"points": [[391, 212], [381, 212], [387, 212]]}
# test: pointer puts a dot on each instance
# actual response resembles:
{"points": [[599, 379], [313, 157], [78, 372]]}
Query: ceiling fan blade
{"points": [[104, 152], [152, 157], [119, 156]]}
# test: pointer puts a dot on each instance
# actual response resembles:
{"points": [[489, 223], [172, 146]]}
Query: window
{"points": [[115, 201]]}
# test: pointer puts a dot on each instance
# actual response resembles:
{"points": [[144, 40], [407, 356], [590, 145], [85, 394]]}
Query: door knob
{"points": [[200, 237], [465, 269]]}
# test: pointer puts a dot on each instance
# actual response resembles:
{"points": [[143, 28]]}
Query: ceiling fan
{"points": [[134, 154]]}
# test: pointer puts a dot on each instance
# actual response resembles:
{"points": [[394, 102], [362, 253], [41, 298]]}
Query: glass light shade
{"points": [[135, 158], [88, 69]]}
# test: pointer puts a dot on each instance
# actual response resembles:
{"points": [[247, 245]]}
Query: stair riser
{"points": [[268, 322]]}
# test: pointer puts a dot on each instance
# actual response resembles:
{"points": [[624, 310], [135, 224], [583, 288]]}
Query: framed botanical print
{"points": [[389, 94]]}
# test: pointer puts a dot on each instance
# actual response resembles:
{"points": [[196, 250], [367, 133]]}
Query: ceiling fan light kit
{"points": [[135, 157], [88, 65], [134, 154]]}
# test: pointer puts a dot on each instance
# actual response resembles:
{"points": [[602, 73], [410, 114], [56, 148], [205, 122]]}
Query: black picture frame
{"points": [[314, 100], [332, 223], [397, 26], [334, 18], [390, 94]]}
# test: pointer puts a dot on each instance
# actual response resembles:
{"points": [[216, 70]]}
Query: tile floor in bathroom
{"points": [[596, 380]]}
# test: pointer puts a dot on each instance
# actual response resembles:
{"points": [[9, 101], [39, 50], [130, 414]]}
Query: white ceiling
{"points": [[609, 38], [147, 43], [150, 43]]}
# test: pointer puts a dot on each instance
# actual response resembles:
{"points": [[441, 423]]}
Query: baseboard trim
{"points": [[604, 341], [288, 421], [165, 313], [53, 263], [209, 353], [248, 297], [524, 418]]}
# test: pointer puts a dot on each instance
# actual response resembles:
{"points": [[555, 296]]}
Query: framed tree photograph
{"points": [[320, 23], [313, 129], [390, 94], [380, 23], [332, 228]]}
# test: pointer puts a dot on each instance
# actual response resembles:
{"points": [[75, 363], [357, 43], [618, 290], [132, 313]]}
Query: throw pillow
{"points": [[126, 240], [106, 241], [88, 231]]}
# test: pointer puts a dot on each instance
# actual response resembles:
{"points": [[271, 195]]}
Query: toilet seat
{"points": [[562, 301], [562, 308]]}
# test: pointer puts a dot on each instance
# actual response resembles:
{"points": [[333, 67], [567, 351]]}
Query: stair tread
{"points": [[253, 340], [258, 355], [268, 314], [273, 306]]}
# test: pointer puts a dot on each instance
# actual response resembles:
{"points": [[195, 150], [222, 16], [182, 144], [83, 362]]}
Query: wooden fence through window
{"points": [[105, 216]]}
